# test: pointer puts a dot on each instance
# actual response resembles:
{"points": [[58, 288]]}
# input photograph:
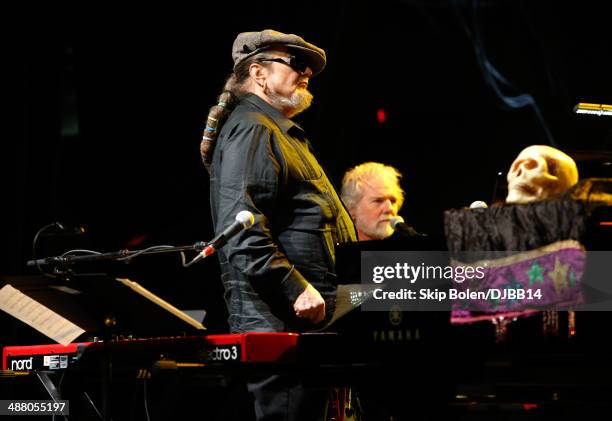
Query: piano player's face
{"points": [[380, 200]]}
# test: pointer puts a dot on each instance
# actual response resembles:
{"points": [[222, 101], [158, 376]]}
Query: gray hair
{"points": [[353, 180]]}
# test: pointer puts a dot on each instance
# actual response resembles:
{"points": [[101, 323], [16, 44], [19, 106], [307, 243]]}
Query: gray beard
{"points": [[293, 105]]}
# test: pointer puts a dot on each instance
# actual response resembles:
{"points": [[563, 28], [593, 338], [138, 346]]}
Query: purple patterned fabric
{"points": [[549, 278]]}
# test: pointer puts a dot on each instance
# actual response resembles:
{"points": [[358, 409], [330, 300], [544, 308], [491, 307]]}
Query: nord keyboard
{"points": [[264, 347], [41, 357]]}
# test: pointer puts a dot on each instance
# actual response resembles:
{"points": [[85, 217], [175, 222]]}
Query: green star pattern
{"points": [[535, 273]]}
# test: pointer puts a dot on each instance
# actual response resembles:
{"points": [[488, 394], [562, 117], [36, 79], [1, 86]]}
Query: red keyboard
{"points": [[264, 347]]}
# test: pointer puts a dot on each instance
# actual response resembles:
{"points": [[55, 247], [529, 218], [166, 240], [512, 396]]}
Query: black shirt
{"points": [[264, 164]]}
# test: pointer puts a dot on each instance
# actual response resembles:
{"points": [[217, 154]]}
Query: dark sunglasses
{"points": [[296, 63]]}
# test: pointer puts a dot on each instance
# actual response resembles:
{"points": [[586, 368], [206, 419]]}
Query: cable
{"points": [[35, 243], [70, 252], [59, 389], [93, 405], [144, 251], [146, 403], [194, 260]]}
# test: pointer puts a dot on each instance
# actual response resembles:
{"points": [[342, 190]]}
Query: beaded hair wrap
{"points": [[216, 116]]}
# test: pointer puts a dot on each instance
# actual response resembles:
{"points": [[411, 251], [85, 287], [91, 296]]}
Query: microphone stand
{"points": [[120, 255]]}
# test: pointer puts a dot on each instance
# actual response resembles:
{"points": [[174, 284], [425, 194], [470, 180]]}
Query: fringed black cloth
{"points": [[515, 227]]}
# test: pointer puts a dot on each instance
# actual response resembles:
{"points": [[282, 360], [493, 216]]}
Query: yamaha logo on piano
{"points": [[396, 331], [396, 335]]}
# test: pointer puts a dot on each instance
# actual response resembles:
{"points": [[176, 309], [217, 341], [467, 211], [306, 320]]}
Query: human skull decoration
{"points": [[540, 172]]}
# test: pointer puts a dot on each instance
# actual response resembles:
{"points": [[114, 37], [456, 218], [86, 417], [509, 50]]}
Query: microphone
{"points": [[244, 221], [398, 224], [46, 261], [70, 229], [478, 204]]}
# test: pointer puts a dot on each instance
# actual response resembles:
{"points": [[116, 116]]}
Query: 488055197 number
{"points": [[34, 407]]}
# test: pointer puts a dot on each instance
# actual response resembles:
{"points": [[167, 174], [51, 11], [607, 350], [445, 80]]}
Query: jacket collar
{"points": [[279, 118]]}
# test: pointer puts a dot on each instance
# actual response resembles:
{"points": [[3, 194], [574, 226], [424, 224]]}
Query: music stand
{"points": [[99, 305], [104, 306]]}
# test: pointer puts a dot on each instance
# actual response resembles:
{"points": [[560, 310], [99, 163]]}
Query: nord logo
{"points": [[25, 364]]}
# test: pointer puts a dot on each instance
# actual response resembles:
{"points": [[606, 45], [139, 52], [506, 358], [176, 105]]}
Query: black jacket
{"points": [[264, 164]]}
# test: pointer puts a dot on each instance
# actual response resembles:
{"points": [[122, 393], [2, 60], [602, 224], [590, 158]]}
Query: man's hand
{"points": [[310, 305]]}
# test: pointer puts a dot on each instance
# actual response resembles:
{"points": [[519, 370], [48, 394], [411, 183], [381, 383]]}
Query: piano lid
{"points": [[348, 255]]}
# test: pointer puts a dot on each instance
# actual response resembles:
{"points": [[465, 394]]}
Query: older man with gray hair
{"points": [[373, 196]]}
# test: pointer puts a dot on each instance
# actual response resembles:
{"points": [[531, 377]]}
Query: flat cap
{"points": [[247, 44]]}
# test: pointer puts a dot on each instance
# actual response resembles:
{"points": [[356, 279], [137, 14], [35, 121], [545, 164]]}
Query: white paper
{"points": [[36, 315]]}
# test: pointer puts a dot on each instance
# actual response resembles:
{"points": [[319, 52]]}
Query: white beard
{"points": [[377, 232], [299, 101]]}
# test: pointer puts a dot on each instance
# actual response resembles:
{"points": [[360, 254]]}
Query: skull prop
{"points": [[540, 172]]}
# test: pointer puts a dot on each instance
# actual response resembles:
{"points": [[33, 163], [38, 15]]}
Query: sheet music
{"points": [[36, 315], [348, 298]]}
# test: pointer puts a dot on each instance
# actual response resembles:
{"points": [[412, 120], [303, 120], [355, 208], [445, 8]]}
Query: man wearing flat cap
{"points": [[278, 275]]}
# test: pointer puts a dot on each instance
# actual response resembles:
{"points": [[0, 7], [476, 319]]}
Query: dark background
{"points": [[106, 109]]}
